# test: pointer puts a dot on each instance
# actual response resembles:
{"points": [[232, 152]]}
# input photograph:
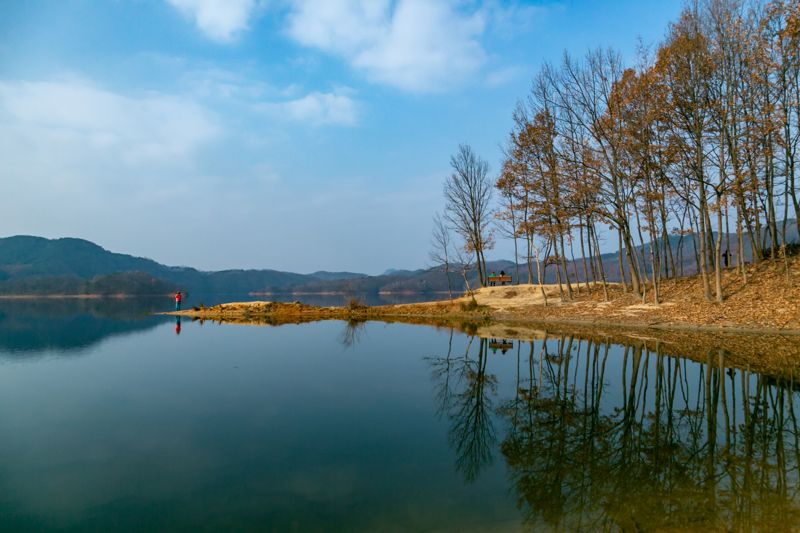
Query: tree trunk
{"points": [[717, 251], [740, 247], [466, 280], [528, 243], [630, 255], [590, 247], [539, 276], [583, 255], [703, 243], [600, 265], [564, 265]]}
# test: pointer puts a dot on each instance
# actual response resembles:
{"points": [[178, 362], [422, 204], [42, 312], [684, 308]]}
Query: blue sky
{"points": [[295, 135]]}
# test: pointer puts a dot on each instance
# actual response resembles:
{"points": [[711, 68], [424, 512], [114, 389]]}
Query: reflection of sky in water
{"points": [[57, 327], [236, 426], [278, 424], [38, 327]]}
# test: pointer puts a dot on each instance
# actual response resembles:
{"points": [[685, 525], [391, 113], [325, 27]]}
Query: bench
{"points": [[503, 346], [494, 280]]}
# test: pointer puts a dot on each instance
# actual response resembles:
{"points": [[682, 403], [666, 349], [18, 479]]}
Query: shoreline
{"points": [[262, 312], [770, 351], [514, 313], [342, 293], [767, 303]]}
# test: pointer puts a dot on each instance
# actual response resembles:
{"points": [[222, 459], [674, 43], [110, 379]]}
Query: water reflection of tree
{"points": [[658, 443], [464, 397], [352, 332], [682, 447]]}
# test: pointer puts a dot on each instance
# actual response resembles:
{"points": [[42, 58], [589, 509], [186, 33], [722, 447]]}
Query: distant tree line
{"points": [[122, 283], [701, 134]]}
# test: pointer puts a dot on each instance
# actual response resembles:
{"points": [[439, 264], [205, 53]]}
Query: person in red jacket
{"points": [[178, 300]]}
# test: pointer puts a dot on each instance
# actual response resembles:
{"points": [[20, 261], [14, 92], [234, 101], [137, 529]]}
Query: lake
{"points": [[112, 419]]}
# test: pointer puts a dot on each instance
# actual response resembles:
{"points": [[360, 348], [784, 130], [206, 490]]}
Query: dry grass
{"points": [[767, 302]]}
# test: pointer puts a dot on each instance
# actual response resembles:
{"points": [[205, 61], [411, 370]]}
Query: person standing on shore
{"points": [[178, 300]]}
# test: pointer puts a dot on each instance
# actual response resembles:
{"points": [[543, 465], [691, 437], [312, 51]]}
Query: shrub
{"points": [[354, 304], [472, 305]]}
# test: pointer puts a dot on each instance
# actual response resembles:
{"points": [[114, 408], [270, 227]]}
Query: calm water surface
{"points": [[109, 420]]}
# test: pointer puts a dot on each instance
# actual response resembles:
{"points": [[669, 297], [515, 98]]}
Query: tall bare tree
{"points": [[468, 208]]}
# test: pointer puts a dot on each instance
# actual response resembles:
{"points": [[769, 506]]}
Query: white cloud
{"points": [[149, 127], [317, 108], [508, 19], [415, 45], [240, 87], [503, 76], [220, 20]]}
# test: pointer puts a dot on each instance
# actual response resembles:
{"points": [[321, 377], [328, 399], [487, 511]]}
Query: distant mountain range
{"points": [[35, 266]]}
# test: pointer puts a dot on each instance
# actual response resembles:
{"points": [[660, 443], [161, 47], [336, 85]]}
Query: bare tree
{"points": [[464, 259], [468, 196], [440, 251]]}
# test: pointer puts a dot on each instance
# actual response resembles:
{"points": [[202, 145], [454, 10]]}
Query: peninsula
{"points": [[766, 303]]}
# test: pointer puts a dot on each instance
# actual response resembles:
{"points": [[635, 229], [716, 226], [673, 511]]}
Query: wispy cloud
{"points": [[149, 126], [317, 108], [508, 19], [220, 20], [415, 45], [503, 76]]}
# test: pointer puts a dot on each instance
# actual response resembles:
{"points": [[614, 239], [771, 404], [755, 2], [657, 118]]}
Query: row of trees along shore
{"points": [[701, 134]]}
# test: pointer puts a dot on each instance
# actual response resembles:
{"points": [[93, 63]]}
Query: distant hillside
{"points": [[34, 265], [323, 275], [24, 256]]}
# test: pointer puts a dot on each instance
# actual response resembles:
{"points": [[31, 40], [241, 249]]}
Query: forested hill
{"points": [[26, 256], [35, 265]]}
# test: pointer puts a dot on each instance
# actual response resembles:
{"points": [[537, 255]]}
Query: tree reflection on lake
{"points": [[599, 436]]}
